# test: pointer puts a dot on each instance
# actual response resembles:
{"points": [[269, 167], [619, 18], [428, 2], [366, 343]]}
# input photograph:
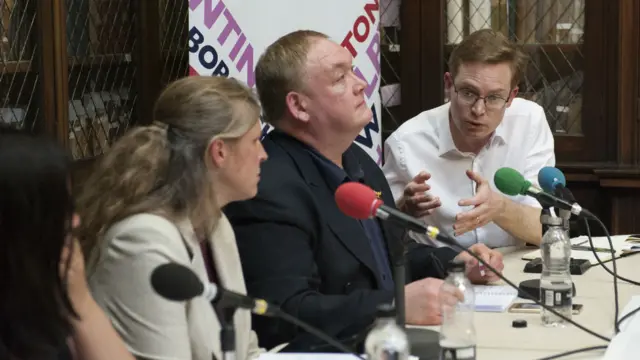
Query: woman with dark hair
{"points": [[46, 309]]}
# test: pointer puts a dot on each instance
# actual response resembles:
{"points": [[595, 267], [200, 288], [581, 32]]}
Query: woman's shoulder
{"points": [[137, 241], [141, 224], [223, 230], [223, 223], [137, 232]]}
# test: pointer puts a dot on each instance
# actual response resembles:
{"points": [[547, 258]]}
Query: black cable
{"points": [[628, 315], [451, 241], [357, 338], [565, 193], [577, 351], [615, 267], [312, 330]]}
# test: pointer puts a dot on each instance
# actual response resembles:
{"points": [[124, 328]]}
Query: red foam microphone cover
{"points": [[357, 200]]}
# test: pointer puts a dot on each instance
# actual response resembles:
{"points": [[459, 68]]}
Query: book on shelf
{"points": [[96, 121], [111, 27], [16, 27], [525, 21]]}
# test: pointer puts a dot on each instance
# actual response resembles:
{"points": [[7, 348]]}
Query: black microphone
{"points": [[564, 193], [177, 282]]}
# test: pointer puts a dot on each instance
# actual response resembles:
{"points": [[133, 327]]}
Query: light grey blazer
{"points": [[151, 326]]}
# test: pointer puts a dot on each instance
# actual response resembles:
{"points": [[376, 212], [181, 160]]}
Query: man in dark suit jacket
{"points": [[297, 249]]}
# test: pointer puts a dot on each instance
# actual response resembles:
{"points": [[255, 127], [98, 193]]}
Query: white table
{"points": [[498, 340]]}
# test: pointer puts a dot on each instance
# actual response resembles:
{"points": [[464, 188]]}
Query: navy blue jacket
{"points": [[300, 252]]}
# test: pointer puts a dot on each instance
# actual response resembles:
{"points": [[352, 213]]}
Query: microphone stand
{"points": [[424, 342], [227, 333], [566, 216], [400, 279], [565, 194]]}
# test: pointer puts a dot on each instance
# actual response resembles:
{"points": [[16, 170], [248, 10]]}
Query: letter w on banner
{"points": [[227, 37]]}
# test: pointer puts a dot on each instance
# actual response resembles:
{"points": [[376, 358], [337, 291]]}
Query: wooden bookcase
{"points": [[85, 71]]}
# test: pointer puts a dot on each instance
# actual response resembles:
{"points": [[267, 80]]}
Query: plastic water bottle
{"points": [[387, 340], [555, 281], [457, 333]]}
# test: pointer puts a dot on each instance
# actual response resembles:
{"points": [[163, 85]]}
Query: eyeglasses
{"points": [[491, 102]]}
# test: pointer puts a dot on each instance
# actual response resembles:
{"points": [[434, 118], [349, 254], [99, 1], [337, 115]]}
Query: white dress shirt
{"points": [[523, 141]]}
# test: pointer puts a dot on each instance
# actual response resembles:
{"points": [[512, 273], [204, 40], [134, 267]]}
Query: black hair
{"points": [[36, 209]]}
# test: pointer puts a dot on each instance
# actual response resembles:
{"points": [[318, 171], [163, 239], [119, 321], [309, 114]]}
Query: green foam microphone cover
{"points": [[511, 182]]}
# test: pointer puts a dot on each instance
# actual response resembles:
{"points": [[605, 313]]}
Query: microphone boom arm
{"points": [[546, 199]]}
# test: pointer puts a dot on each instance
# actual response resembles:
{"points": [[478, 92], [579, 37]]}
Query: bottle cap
{"points": [[519, 323], [456, 266], [386, 311]]}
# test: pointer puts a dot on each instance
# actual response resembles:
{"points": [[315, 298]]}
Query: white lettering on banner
{"points": [[361, 31], [208, 57], [213, 25], [226, 38]]}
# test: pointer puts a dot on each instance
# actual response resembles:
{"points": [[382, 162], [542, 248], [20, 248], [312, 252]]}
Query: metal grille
{"points": [[390, 66], [174, 26], [100, 43], [551, 32], [18, 82]]}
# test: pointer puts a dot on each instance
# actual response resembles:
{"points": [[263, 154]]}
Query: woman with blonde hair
{"points": [[156, 197]]}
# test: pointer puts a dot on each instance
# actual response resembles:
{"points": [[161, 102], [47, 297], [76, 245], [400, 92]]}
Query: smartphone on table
{"points": [[533, 308]]}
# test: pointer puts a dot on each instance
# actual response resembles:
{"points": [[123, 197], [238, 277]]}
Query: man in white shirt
{"points": [[458, 147]]}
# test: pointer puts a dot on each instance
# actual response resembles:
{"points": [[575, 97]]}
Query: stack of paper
{"points": [[494, 298], [632, 244]]}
